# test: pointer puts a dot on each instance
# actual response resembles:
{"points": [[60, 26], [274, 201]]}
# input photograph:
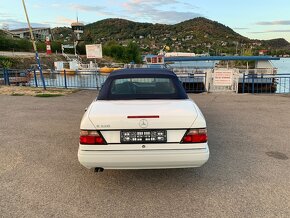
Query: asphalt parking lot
{"points": [[248, 174]]}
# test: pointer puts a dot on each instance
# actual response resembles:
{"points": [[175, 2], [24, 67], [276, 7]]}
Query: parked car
{"points": [[143, 119]]}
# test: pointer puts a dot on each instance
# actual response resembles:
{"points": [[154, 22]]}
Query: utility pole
{"points": [[34, 46]]}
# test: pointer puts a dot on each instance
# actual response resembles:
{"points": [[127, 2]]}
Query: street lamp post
{"points": [[34, 46]]}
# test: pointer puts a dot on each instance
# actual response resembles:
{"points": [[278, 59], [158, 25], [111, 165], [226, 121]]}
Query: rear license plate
{"points": [[143, 136]]}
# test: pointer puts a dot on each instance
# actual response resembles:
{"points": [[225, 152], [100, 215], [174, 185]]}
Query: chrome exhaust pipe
{"points": [[99, 169]]}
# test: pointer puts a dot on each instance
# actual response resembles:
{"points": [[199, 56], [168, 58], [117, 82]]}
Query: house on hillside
{"points": [[263, 52]]}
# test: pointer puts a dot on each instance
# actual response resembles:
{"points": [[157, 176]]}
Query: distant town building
{"points": [[263, 52], [40, 34]]}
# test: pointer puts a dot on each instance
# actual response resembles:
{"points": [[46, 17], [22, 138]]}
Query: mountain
{"points": [[194, 35], [276, 43], [124, 29], [120, 29], [204, 27]]}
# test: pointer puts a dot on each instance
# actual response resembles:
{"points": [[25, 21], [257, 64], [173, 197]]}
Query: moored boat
{"points": [[68, 71], [108, 69]]}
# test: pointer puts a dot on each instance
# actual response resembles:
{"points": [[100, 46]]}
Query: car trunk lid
{"points": [[142, 114]]}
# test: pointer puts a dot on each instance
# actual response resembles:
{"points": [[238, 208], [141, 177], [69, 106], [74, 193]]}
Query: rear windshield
{"points": [[144, 88]]}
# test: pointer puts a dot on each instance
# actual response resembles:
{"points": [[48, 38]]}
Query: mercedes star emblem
{"points": [[143, 123]]}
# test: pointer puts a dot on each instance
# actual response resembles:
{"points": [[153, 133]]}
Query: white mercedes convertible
{"points": [[142, 119]]}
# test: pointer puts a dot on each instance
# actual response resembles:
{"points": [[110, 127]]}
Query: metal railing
{"points": [[67, 79], [193, 82], [258, 71], [265, 83], [14, 77], [193, 79]]}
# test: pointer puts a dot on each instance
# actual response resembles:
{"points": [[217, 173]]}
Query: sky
{"points": [[256, 19]]}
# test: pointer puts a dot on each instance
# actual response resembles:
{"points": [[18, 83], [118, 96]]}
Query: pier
{"points": [[249, 161]]}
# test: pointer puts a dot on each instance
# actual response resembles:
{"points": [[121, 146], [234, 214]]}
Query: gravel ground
{"points": [[32, 91], [247, 175]]}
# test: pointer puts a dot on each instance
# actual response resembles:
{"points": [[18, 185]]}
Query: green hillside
{"points": [[277, 43], [198, 35]]}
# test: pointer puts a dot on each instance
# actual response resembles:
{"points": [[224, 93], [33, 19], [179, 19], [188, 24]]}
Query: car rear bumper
{"points": [[144, 159]]}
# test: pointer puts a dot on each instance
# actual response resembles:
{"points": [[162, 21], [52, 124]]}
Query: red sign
{"points": [[48, 46]]}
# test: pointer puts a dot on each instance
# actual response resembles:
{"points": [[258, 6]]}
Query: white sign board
{"points": [[94, 51], [223, 78]]}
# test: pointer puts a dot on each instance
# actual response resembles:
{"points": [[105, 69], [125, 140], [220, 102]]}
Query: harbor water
{"points": [[283, 66], [93, 79]]}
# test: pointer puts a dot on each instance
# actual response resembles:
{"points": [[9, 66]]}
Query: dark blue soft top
{"points": [[143, 71], [137, 91]]}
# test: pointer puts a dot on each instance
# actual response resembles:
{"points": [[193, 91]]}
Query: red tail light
{"points": [[195, 136], [91, 137]]}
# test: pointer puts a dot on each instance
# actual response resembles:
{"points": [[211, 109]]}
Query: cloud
{"points": [[154, 11], [62, 21], [101, 11], [79, 7], [160, 3], [240, 28], [271, 31], [65, 20], [55, 5], [37, 6], [161, 11], [16, 24], [4, 15], [279, 22], [189, 5]]}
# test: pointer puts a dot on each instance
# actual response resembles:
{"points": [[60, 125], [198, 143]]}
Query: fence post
{"points": [[243, 90], [205, 81], [289, 85], [4, 76], [40, 70], [253, 85], [65, 84], [97, 80], [35, 78], [7, 77]]}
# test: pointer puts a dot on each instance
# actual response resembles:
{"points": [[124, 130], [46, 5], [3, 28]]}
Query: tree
{"points": [[88, 36], [133, 53], [126, 54]]}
